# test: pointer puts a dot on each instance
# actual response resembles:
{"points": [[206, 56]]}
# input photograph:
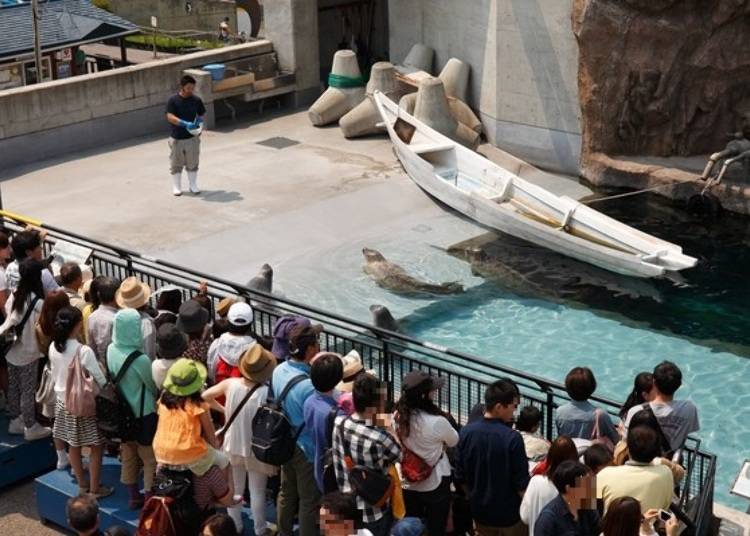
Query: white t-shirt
{"points": [[677, 419], [12, 277], [26, 349], [159, 368], [59, 362], [238, 441], [3, 280], [428, 437], [539, 494]]}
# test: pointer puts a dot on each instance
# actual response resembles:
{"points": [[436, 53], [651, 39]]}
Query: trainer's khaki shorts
{"points": [[184, 154]]}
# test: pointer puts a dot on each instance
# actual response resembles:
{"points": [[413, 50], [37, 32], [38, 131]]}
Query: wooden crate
{"points": [[233, 82]]}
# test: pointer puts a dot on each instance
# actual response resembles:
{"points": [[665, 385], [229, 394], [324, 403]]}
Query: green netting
{"points": [[343, 82]]}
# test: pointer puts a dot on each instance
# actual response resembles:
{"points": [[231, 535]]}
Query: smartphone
{"points": [[665, 515]]}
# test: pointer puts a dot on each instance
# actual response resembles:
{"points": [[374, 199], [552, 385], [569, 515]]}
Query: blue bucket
{"points": [[216, 70]]}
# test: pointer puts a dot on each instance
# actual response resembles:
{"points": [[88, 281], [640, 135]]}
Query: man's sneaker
{"points": [[37, 431], [15, 427]]}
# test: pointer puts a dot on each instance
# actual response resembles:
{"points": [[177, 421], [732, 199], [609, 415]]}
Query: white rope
{"points": [[637, 192]]}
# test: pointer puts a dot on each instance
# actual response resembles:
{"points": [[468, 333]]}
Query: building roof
{"points": [[63, 23]]}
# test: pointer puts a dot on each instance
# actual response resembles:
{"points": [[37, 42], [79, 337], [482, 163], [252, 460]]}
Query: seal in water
{"points": [[394, 278], [383, 319], [263, 281]]}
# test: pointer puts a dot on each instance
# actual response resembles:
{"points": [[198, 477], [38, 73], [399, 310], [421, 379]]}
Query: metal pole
{"points": [[37, 41]]}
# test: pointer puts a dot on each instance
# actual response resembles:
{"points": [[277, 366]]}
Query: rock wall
{"points": [[662, 77]]}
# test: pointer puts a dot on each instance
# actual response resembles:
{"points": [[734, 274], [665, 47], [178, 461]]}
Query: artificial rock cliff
{"points": [[662, 77]]}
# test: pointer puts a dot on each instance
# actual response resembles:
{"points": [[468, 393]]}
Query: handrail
{"points": [[391, 352]]}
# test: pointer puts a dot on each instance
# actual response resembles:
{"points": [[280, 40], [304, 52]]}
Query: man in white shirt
{"points": [[677, 418], [27, 243]]}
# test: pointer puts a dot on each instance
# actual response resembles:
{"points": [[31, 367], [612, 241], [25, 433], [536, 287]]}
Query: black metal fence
{"points": [[391, 355]]}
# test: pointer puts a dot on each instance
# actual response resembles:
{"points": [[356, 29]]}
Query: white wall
{"points": [[524, 61]]}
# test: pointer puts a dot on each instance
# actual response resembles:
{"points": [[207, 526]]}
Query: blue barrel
{"points": [[216, 70]]}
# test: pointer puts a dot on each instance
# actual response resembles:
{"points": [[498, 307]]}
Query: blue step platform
{"points": [[20, 459], [55, 488]]}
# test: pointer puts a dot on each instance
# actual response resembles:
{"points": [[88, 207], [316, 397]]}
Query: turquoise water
{"points": [[619, 327]]}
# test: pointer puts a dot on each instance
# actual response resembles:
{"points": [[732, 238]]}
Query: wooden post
{"points": [[37, 41], [123, 52]]}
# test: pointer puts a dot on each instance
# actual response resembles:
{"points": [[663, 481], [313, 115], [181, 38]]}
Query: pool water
{"points": [[619, 327]]}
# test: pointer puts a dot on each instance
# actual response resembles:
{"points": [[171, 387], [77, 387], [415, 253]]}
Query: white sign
{"points": [[154, 22], [67, 252], [742, 483]]}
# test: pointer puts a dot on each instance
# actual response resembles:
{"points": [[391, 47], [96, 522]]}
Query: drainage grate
{"points": [[278, 142]]}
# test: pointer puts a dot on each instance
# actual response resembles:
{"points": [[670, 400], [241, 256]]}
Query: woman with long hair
{"points": [[541, 490], [624, 518], [22, 312], [55, 300], [641, 393], [77, 432], [425, 432]]}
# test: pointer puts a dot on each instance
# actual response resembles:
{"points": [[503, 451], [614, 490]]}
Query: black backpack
{"points": [[273, 435], [114, 416]]}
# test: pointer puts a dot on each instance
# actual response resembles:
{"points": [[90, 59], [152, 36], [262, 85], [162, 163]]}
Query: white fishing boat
{"points": [[500, 200]]}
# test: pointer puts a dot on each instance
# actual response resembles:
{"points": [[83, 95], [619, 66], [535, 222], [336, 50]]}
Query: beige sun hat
{"points": [[132, 293], [353, 367]]}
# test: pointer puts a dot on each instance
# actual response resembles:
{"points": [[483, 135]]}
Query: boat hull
{"points": [[507, 218]]}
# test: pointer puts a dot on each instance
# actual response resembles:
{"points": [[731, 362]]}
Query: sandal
{"points": [[102, 491], [83, 491]]}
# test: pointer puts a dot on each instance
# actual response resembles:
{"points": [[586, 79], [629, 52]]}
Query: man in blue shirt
{"points": [[573, 512], [491, 464], [299, 495], [321, 410]]}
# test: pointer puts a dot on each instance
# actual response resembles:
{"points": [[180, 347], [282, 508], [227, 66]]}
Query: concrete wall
{"points": [[292, 26], [205, 15], [524, 61], [54, 118]]}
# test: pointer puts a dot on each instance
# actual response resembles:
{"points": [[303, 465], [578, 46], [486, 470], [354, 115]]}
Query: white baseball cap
{"points": [[240, 314]]}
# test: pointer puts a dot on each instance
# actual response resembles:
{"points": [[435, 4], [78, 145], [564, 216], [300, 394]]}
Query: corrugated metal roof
{"points": [[62, 22]]}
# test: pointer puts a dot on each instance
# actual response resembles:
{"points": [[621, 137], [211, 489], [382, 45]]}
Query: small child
{"points": [[527, 424], [185, 436]]}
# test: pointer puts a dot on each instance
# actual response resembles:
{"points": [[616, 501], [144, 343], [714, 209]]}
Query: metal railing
{"points": [[391, 355]]}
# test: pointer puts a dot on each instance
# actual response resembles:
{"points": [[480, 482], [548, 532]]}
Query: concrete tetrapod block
{"points": [[363, 119], [420, 57], [335, 102], [455, 77], [464, 114], [408, 102], [432, 109]]}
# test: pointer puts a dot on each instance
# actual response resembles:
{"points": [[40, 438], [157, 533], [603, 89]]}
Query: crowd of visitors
{"points": [[193, 399]]}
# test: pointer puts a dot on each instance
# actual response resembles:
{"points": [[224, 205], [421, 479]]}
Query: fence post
{"points": [[387, 362], [550, 410]]}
